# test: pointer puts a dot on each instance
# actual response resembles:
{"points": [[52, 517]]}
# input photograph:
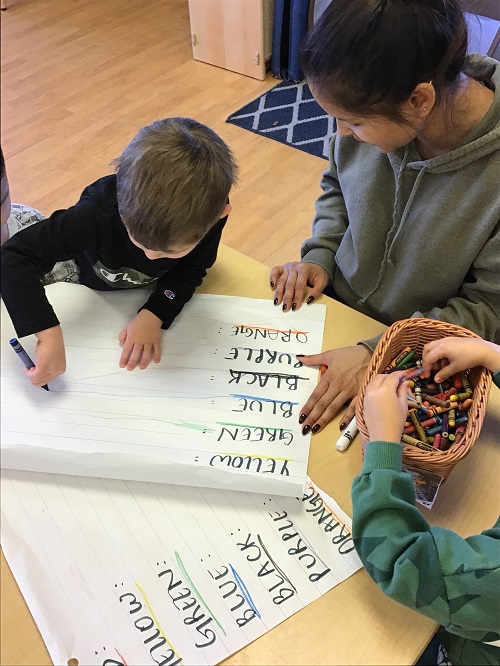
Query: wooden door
{"points": [[233, 34]]}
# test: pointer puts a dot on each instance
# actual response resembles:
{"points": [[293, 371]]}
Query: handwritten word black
{"points": [[145, 623], [246, 434], [263, 378], [329, 522], [270, 334], [267, 567], [250, 464], [249, 613], [187, 600], [300, 549], [266, 355], [284, 409]]}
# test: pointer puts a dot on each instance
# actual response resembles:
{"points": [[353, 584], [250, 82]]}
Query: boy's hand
{"points": [[461, 354], [386, 407], [50, 357], [292, 280], [141, 341]]}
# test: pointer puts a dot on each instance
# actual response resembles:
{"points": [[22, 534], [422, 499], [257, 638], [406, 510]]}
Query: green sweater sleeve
{"points": [[452, 580]]}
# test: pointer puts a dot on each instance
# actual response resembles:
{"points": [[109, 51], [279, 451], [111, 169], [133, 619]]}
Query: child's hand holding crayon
{"points": [[461, 354], [50, 357], [386, 407]]}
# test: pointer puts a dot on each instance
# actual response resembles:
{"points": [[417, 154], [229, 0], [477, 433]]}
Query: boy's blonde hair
{"points": [[173, 180]]}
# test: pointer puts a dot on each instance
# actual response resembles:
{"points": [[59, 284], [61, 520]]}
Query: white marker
{"points": [[347, 436]]}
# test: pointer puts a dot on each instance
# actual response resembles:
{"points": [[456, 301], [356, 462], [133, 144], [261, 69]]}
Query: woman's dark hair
{"points": [[2, 165], [367, 56]]}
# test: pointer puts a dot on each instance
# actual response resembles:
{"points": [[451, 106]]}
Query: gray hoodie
{"points": [[404, 237]]}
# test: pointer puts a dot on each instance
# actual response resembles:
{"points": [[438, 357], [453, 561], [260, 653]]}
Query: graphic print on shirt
{"points": [[123, 277]]}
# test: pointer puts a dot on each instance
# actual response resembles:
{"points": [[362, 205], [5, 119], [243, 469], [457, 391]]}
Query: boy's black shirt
{"points": [[93, 233]]}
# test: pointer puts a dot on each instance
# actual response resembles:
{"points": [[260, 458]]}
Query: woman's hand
{"points": [[339, 384], [295, 281]]}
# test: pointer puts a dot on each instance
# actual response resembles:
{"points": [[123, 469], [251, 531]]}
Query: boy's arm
{"points": [[431, 570], [330, 222], [33, 251], [176, 287]]}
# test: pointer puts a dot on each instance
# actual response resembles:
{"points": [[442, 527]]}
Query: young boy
{"points": [[454, 581], [158, 220]]}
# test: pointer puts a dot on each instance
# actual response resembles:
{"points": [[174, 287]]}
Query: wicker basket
{"points": [[415, 333]]}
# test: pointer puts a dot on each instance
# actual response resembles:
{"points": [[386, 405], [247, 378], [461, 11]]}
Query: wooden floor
{"points": [[80, 77]]}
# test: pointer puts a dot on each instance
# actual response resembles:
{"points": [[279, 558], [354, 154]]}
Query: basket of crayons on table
{"points": [[444, 420]]}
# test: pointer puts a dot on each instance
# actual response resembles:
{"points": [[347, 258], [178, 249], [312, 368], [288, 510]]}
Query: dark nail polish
{"points": [[302, 418], [272, 284], [306, 429], [284, 307], [275, 301], [342, 426], [294, 306], [316, 428], [300, 355], [310, 300]]}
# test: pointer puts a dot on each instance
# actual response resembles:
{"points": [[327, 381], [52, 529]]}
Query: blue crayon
{"points": [[20, 351]]}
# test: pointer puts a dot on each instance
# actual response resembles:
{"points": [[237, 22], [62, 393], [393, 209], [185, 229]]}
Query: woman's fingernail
{"points": [[300, 355], [294, 306], [316, 428], [310, 300], [306, 429], [284, 307], [275, 301], [272, 284], [302, 418], [342, 426]]}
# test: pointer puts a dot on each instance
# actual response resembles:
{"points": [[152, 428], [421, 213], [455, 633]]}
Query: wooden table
{"points": [[354, 623]]}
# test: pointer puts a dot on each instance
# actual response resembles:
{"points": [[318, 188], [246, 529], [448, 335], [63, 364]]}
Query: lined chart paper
{"points": [[220, 410], [127, 573]]}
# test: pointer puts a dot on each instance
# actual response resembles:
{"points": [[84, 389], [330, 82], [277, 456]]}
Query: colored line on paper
{"points": [[251, 455], [242, 425], [121, 656], [282, 573], [254, 397], [193, 586], [162, 633], [244, 591], [273, 330], [342, 522]]}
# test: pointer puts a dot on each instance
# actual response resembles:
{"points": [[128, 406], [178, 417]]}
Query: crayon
{"points": [[451, 418], [465, 405], [405, 360], [418, 428], [437, 440], [21, 352], [457, 381], [436, 401], [416, 442], [444, 426], [465, 382], [398, 359], [411, 374]]}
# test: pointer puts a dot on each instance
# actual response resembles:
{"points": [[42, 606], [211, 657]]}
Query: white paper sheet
{"points": [[220, 410], [127, 573]]}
